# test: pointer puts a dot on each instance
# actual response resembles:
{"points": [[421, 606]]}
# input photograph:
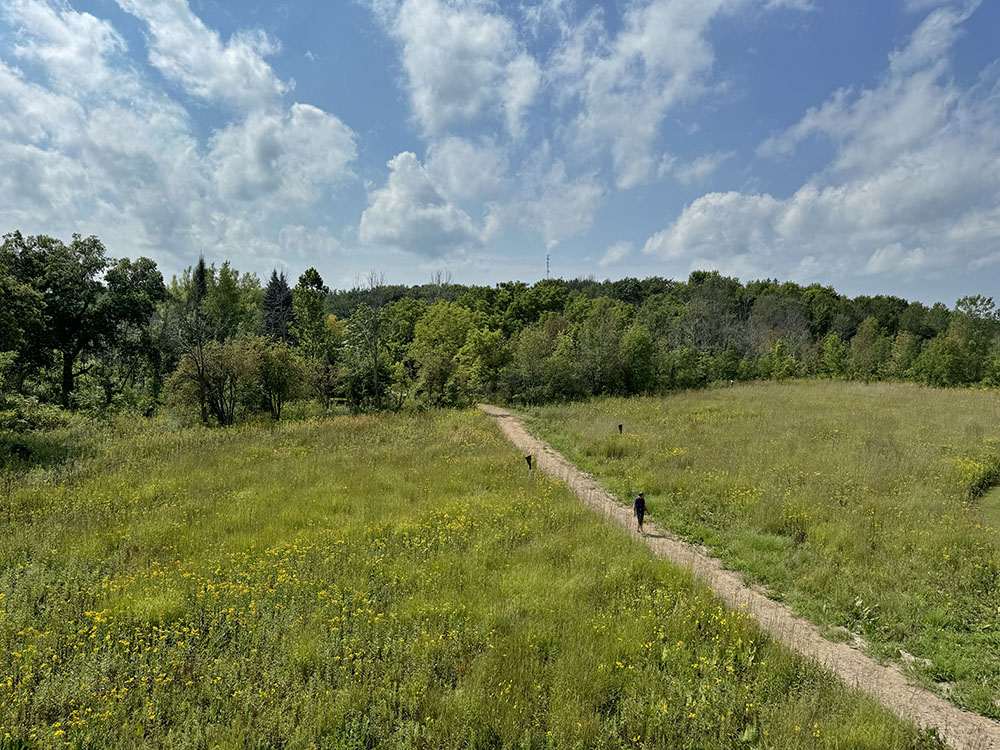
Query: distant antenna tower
{"points": [[548, 257]]}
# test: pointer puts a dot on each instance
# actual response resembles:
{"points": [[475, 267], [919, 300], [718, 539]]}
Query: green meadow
{"points": [[396, 581], [871, 509]]}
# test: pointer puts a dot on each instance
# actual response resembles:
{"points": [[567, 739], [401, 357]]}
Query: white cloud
{"points": [[467, 169], [719, 224], [101, 154], [799, 5], [895, 258], [626, 83], [922, 6], [290, 157], [913, 186], [519, 90], [615, 254], [411, 213], [874, 127], [462, 63], [307, 242], [88, 144], [702, 168], [192, 55], [74, 47], [550, 202]]}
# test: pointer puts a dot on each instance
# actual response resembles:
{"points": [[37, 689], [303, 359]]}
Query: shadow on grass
{"points": [[21, 452]]}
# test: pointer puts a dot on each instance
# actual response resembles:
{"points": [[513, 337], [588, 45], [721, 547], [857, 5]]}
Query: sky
{"points": [[843, 142]]}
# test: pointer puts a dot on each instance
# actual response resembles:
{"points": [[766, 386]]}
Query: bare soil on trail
{"points": [[962, 730]]}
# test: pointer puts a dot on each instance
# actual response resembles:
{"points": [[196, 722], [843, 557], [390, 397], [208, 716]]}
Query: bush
{"points": [[23, 413]]}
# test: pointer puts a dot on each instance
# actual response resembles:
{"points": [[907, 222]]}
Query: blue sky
{"points": [[850, 143]]}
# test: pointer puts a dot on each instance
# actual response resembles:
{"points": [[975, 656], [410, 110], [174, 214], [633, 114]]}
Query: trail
{"points": [[962, 730]]}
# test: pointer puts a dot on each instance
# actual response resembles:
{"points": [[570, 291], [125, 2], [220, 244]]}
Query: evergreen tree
{"points": [[277, 308], [200, 282]]}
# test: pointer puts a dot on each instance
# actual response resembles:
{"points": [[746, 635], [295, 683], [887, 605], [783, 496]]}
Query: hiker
{"points": [[639, 508]]}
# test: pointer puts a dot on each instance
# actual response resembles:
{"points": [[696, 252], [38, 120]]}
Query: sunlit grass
{"points": [[360, 582], [867, 507]]}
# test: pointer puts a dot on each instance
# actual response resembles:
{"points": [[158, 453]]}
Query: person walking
{"points": [[639, 509]]}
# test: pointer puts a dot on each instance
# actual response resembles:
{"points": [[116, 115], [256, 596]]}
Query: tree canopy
{"points": [[85, 330]]}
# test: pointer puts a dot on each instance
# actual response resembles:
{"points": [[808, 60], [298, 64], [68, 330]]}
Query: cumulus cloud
{"points": [[913, 187], [748, 227], [101, 153], [615, 254], [75, 48], [895, 258], [914, 101], [88, 144], [626, 83], [550, 202], [467, 169], [190, 54], [411, 213], [462, 62], [291, 157], [306, 242]]}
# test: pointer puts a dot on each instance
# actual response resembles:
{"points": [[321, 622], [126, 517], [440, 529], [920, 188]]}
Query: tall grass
{"points": [[371, 582], [869, 508]]}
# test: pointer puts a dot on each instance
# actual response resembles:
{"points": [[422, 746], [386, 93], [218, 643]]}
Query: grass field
{"points": [[871, 509], [370, 582]]}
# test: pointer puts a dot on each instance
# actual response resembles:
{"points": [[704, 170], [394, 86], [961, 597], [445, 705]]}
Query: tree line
{"points": [[81, 330]]}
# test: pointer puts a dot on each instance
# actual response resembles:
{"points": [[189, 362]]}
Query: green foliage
{"points": [[726, 366], [231, 378], [277, 308], [231, 303], [19, 413], [366, 367], [638, 352], [833, 361], [279, 373], [543, 367], [681, 368], [21, 316], [902, 358], [438, 337], [991, 368], [218, 379], [870, 349], [600, 331], [68, 279], [481, 361], [309, 327], [779, 364], [98, 334], [943, 362]]}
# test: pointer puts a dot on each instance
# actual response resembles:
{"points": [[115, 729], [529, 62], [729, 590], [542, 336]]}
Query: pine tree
{"points": [[277, 308], [200, 282]]}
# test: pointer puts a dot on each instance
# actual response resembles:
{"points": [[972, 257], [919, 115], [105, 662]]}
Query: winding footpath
{"points": [[962, 730]]}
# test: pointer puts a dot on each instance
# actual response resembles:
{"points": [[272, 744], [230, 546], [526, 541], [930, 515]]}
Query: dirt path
{"points": [[962, 730]]}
